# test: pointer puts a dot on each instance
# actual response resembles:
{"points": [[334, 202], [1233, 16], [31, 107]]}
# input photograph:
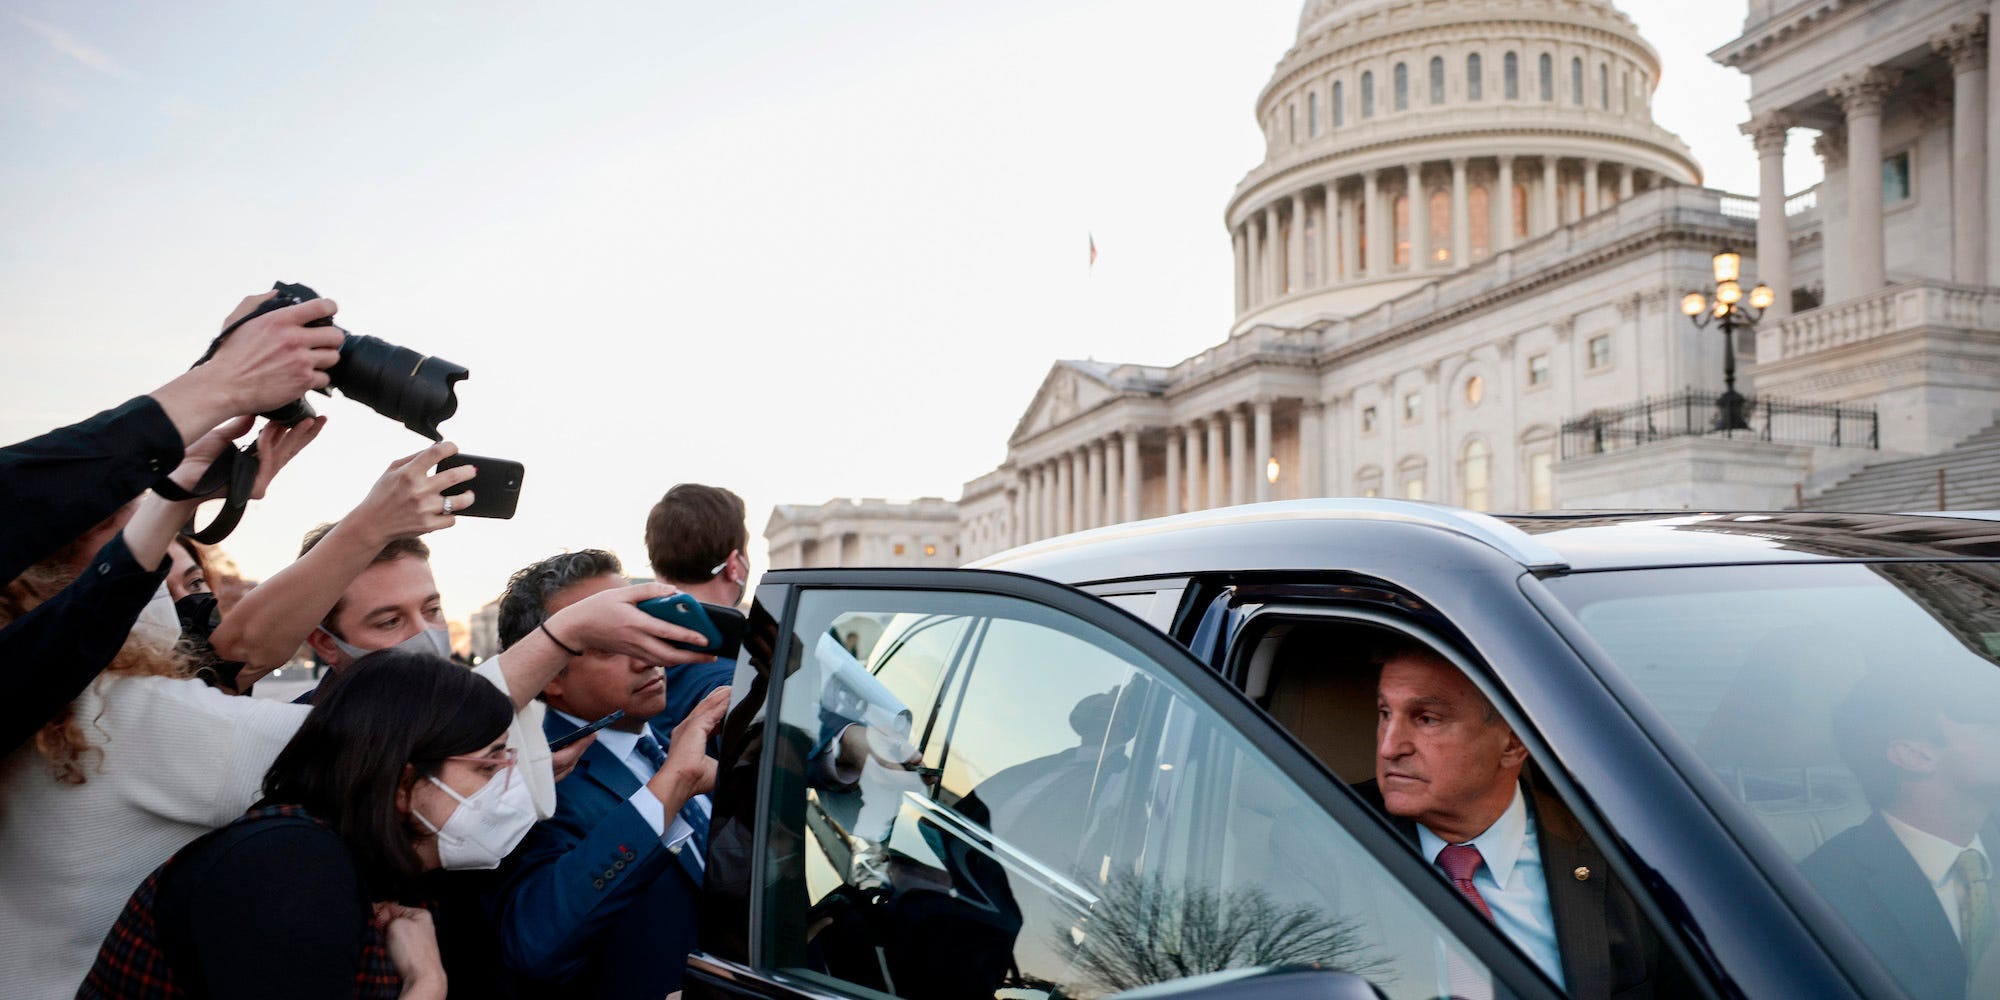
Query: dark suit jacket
{"points": [[1608, 949], [1867, 874], [593, 905]]}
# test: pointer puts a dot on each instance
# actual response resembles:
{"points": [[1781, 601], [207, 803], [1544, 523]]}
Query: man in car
{"points": [[696, 538], [600, 900], [1449, 771], [1915, 879]]}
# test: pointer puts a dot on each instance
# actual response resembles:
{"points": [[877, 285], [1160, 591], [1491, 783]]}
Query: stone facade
{"points": [[868, 532]]}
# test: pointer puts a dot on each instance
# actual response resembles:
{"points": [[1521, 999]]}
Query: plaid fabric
{"points": [[131, 966]]}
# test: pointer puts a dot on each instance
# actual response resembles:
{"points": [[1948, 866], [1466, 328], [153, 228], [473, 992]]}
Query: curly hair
{"points": [[524, 605], [63, 740]]}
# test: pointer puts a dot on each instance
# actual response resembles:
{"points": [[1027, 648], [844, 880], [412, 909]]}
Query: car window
{"points": [[1071, 821], [1851, 713]]}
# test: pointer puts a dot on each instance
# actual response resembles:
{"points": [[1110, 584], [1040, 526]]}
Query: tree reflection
{"points": [[1144, 931]]}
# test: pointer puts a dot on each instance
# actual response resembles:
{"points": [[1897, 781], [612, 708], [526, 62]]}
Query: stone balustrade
{"points": [[1892, 310]]}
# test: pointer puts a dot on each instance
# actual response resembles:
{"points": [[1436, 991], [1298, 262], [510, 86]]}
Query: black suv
{"points": [[1122, 762]]}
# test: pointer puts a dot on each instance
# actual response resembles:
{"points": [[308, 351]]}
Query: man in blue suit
{"points": [[696, 537], [600, 899]]}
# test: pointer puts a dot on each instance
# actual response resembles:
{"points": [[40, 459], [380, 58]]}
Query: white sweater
{"points": [[180, 759]]}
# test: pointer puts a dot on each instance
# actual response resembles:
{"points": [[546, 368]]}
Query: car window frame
{"points": [[1510, 970]]}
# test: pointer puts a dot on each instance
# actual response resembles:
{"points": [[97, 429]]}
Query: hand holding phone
{"points": [[720, 628], [495, 486], [584, 730]]}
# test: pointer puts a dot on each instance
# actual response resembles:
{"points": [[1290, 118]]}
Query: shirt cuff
{"points": [[650, 810]]}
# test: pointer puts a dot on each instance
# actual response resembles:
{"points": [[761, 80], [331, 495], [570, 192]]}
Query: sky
{"points": [[800, 249]]}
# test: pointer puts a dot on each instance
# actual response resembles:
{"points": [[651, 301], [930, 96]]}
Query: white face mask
{"points": [[485, 827], [158, 623], [436, 641]]}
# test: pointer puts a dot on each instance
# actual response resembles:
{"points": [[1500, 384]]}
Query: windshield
{"points": [[1852, 713]]}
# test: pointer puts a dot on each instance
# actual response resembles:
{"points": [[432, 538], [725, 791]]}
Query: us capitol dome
{"points": [[1507, 119]]}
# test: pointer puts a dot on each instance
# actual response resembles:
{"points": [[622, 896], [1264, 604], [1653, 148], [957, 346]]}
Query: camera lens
{"points": [[413, 389]]}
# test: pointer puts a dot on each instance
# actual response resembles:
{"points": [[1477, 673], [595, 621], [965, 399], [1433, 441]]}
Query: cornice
{"points": [[1779, 30]]}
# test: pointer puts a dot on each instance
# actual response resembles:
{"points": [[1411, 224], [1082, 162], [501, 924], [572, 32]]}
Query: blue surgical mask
{"points": [[435, 641]]}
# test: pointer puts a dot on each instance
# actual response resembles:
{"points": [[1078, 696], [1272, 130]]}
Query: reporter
{"points": [[55, 486]]}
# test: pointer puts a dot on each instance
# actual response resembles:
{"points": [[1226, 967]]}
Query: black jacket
{"points": [[54, 488]]}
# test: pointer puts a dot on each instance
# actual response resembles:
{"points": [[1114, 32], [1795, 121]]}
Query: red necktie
{"points": [[1459, 861]]}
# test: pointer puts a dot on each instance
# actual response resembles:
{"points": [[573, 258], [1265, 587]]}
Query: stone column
{"points": [[1060, 503], [1551, 201], [1025, 527], [1217, 495], [1420, 217], [1461, 216], [1505, 237], [1253, 229], [1129, 468], [1045, 505], [1239, 457], [1329, 222], [1774, 239], [1095, 485], [1236, 241], [1178, 440], [1350, 242], [1965, 45], [1591, 206], [1624, 183], [1197, 466], [1310, 429], [1295, 245], [1371, 208], [1260, 410], [1860, 94], [1274, 248]]}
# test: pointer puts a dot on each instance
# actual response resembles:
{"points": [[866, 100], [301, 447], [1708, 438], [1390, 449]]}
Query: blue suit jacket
{"points": [[593, 905]]}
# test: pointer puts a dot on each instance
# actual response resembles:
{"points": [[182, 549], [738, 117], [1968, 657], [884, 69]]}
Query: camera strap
{"points": [[233, 474]]}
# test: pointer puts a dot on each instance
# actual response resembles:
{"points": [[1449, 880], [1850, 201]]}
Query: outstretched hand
{"points": [[408, 500], [611, 621]]}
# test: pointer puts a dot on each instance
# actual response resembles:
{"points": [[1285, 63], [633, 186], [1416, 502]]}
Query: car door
{"points": [[967, 783]]}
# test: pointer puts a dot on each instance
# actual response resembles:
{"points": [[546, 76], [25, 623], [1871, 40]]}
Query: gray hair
{"points": [[524, 607]]}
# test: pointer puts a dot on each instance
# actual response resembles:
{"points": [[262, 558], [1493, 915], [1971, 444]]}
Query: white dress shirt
{"points": [[1935, 856], [1510, 879], [625, 747]]}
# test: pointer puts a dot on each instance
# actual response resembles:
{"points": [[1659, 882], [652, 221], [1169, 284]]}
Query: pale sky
{"points": [[800, 249]]}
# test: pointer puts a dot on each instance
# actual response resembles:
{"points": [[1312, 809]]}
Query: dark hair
{"points": [[693, 528], [345, 764], [193, 553], [1886, 706], [396, 549], [524, 607]]}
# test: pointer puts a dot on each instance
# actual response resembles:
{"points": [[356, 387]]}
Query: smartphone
{"points": [[496, 487], [721, 628], [584, 730]]}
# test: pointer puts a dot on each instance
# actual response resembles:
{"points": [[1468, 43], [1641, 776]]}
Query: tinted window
{"points": [[1071, 822], [1852, 713]]}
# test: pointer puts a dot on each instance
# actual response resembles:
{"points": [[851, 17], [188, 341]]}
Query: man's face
{"points": [[388, 603], [1438, 760], [598, 683]]}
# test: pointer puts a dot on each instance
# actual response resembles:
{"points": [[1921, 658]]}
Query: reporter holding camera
{"points": [[57, 486]]}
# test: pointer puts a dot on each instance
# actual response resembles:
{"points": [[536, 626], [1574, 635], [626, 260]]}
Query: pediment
{"points": [[1067, 391]]}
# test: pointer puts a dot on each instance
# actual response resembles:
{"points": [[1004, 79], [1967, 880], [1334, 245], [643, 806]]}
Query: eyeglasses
{"points": [[509, 759]]}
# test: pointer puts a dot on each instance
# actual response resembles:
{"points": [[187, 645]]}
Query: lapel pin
{"points": [[1582, 874]]}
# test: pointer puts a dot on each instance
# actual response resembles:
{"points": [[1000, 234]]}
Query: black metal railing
{"points": [[1694, 413]]}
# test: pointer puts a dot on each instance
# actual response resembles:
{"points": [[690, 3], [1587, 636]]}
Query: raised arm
{"points": [[610, 621]]}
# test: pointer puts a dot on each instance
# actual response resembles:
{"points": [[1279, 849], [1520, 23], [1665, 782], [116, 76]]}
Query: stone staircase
{"points": [[1972, 480]]}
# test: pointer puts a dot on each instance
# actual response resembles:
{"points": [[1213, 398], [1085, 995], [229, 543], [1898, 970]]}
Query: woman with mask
{"points": [[148, 758], [402, 767]]}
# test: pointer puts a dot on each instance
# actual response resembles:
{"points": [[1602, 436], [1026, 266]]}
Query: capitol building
{"points": [[1460, 273]]}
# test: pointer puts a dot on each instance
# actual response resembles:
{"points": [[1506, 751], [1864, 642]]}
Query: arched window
{"points": [[1475, 84], [1339, 105], [1479, 213], [1520, 210], [1312, 113], [1402, 86], [1440, 226], [1437, 79], [1511, 67], [1542, 479], [1604, 86], [1476, 474], [1368, 94], [1400, 218], [1576, 82], [1547, 65]]}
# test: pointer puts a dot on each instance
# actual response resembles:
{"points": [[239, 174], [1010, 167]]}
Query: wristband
{"points": [[559, 643]]}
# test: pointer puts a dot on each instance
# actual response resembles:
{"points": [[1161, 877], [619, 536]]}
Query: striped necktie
{"points": [[694, 853]]}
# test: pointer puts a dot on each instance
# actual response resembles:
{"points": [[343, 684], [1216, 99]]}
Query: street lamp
{"points": [[1728, 310]]}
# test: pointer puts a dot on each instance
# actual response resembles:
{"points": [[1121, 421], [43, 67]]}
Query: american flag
{"points": [[1093, 250]]}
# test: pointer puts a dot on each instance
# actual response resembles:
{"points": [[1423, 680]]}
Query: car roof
{"points": [[1350, 533]]}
